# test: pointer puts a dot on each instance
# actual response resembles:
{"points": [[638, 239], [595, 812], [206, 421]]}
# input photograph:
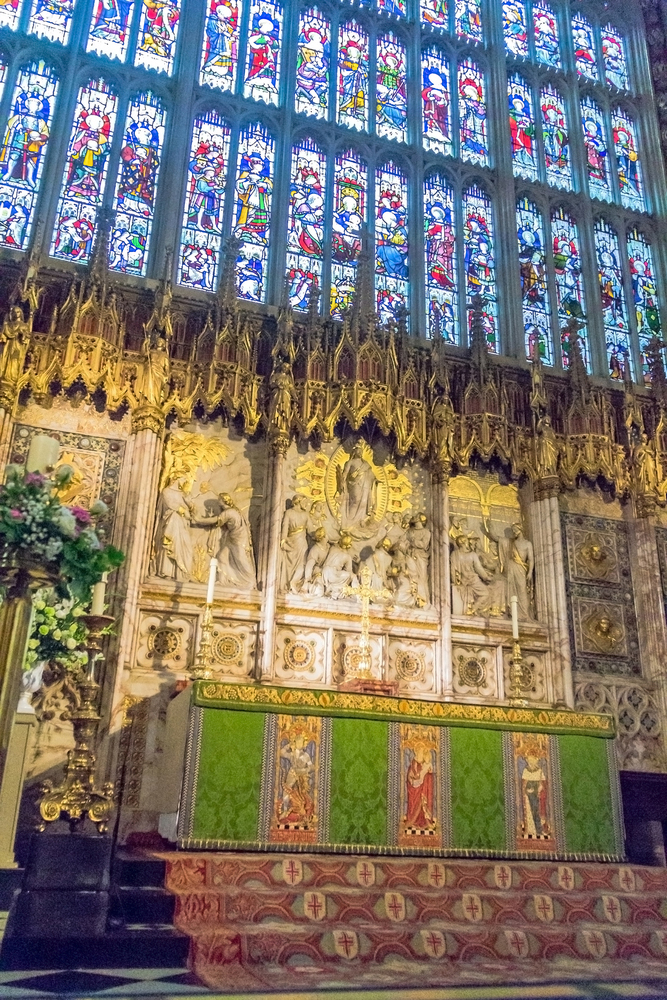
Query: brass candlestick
{"points": [[77, 796], [521, 676], [203, 663]]}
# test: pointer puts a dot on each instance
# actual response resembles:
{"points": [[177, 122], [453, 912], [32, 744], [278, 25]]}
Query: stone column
{"points": [[442, 590], [550, 593], [270, 562], [6, 427], [647, 587]]}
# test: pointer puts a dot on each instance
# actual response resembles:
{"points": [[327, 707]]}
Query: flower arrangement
{"points": [[58, 634], [37, 527]]}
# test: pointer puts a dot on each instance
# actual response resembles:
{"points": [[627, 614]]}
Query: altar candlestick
{"points": [[514, 602], [98, 596], [212, 574]]}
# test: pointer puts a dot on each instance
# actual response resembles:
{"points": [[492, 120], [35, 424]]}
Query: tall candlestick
{"points": [[98, 596], [514, 603], [42, 454], [212, 574]]}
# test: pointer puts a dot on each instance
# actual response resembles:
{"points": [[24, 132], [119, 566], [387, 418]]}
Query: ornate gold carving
{"points": [[299, 655], [165, 643], [410, 665], [604, 631], [472, 671]]}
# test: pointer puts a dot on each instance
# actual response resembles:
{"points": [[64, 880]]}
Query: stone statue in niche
{"points": [[356, 485], [483, 582], [230, 542]]}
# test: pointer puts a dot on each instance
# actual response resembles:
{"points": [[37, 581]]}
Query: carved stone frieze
{"points": [[300, 656], [640, 730], [411, 665], [474, 672], [165, 642], [233, 648]]}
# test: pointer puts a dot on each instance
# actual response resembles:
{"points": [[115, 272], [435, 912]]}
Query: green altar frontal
{"points": [[271, 768]]}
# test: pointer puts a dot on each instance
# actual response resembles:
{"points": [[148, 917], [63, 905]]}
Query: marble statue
{"points": [[317, 554], [419, 544], [337, 571], [546, 448], [517, 563], [231, 543], [470, 579], [172, 558], [294, 544], [356, 486]]}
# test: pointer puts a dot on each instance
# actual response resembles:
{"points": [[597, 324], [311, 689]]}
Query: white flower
{"points": [[71, 643], [99, 509], [63, 475], [66, 522]]}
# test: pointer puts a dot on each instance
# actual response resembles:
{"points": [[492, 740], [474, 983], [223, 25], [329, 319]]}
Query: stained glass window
{"points": [[252, 210], [436, 102], [440, 251], [613, 56], [479, 258], [597, 154], [522, 128], [533, 272], [627, 160], [353, 76], [305, 234], [52, 19], [263, 68], [390, 89], [391, 242], [9, 14], [556, 138], [569, 281], [312, 65], [435, 13], [472, 114], [395, 7], [349, 216], [201, 235], [158, 29], [3, 76], [23, 151], [584, 47], [644, 292], [85, 172], [612, 297], [514, 27], [547, 44], [220, 52], [136, 184], [110, 28], [468, 19]]}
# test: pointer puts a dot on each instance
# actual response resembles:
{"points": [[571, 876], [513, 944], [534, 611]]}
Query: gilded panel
{"points": [[411, 664]]}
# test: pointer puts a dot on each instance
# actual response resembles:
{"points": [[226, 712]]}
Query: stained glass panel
{"points": [[435, 13], [436, 102], [352, 88], [52, 19], [252, 210], [584, 47], [312, 64], [472, 114], [644, 293], [468, 19], [440, 250], [10, 13], [136, 184], [349, 216], [305, 232], [556, 139], [263, 68], [627, 161], [201, 235], [522, 128], [479, 258], [110, 28], [158, 30], [391, 242], [395, 7], [85, 172], [597, 154], [3, 76], [613, 56], [533, 272], [569, 280], [514, 27], [390, 89], [23, 151], [220, 52], [547, 39], [612, 297]]}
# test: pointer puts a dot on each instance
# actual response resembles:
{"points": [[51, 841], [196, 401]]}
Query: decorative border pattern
{"points": [[186, 818], [616, 799]]}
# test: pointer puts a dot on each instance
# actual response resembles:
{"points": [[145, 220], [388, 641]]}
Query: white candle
{"points": [[212, 574], [98, 596], [42, 454], [514, 603]]}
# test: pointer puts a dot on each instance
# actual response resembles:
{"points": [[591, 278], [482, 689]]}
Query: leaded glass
{"points": [[395, 7], [597, 154], [440, 252], [305, 233], [3, 76], [252, 210], [468, 19], [547, 39], [390, 89], [514, 27], [391, 242], [436, 102], [472, 114], [352, 90], [584, 47], [201, 235], [627, 161], [312, 64], [522, 128], [158, 30], [569, 280], [262, 78], [556, 139], [612, 298], [52, 19], [110, 28], [533, 272], [644, 293], [85, 172], [23, 151], [136, 184], [10, 13], [349, 216], [479, 258], [435, 13], [220, 52], [613, 56]]}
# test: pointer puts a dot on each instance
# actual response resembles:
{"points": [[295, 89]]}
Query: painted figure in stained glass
{"points": [[644, 292], [9, 14], [627, 160], [204, 203], [157, 35], [254, 188], [312, 65], [472, 113], [613, 55], [595, 145], [348, 220], [263, 52], [612, 298], [440, 247], [569, 283], [522, 128], [468, 19], [514, 27], [479, 257], [391, 243], [547, 47], [52, 19], [110, 27], [556, 139], [436, 102], [221, 42], [584, 47], [353, 77], [390, 89], [395, 7], [532, 269], [435, 13], [305, 238]]}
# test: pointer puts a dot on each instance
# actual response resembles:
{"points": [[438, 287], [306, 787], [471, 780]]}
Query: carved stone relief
{"points": [[474, 671], [639, 741], [233, 648], [534, 686], [346, 654], [300, 656], [411, 664], [165, 642]]}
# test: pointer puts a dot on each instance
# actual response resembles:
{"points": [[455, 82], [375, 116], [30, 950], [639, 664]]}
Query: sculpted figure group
{"points": [[483, 583]]}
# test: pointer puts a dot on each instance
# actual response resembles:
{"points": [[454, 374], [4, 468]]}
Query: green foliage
{"points": [[58, 634]]}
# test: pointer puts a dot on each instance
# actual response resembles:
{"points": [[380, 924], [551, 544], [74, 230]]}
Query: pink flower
{"points": [[35, 479], [82, 516], [16, 514]]}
